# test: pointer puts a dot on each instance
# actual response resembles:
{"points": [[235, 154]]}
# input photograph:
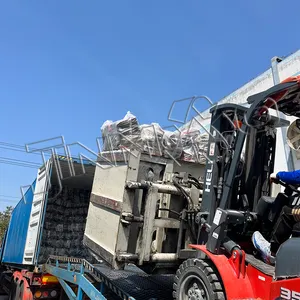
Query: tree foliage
{"points": [[4, 220]]}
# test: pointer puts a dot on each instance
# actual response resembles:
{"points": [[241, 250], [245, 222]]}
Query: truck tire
{"points": [[197, 279], [13, 291], [18, 291]]}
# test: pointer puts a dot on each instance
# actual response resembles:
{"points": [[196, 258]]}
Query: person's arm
{"points": [[292, 177]]}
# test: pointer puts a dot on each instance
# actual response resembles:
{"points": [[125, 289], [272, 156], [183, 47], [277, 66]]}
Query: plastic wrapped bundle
{"points": [[111, 138], [152, 139], [203, 146], [194, 147], [120, 134], [129, 131], [172, 144], [189, 137], [188, 145]]}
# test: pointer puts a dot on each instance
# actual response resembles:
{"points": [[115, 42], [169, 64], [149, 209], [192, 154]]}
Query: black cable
{"points": [[22, 151], [17, 146], [12, 145], [195, 184], [184, 193], [8, 201], [19, 161], [170, 210], [195, 179], [191, 228], [17, 164], [1, 195]]}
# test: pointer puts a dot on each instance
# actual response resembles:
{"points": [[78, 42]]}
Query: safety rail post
{"points": [[79, 292], [68, 275]]}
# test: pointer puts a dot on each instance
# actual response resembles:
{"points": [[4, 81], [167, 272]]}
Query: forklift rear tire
{"points": [[197, 280]]}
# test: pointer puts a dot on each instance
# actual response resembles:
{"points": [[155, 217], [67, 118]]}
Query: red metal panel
{"points": [[260, 282], [285, 289], [236, 287]]}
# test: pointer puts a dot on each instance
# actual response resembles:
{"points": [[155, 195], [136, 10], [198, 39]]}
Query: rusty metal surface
{"points": [[106, 202]]}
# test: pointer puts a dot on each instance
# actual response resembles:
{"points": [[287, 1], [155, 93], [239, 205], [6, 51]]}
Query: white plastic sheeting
{"points": [[188, 145]]}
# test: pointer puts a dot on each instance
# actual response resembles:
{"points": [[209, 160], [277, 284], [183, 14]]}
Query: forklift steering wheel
{"points": [[289, 186]]}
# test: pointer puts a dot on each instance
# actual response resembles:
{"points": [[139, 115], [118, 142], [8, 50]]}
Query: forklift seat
{"points": [[264, 207], [296, 230], [269, 208]]}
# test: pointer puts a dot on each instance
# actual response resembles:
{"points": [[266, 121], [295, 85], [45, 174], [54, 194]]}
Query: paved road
{"points": [[3, 297]]}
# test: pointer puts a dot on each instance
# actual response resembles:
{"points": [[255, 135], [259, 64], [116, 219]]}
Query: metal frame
{"points": [[67, 275], [75, 273], [139, 232]]}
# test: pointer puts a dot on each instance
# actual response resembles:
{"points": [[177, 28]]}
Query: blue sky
{"points": [[67, 66]]}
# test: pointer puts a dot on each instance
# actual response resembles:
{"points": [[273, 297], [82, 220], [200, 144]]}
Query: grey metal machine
{"points": [[143, 210]]}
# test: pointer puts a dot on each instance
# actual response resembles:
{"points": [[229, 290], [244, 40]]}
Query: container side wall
{"points": [[13, 250]]}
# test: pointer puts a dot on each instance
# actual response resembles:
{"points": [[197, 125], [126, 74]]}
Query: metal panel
{"points": [[195, 169], [129, 202], [145, 247], [14, 246], [36, 214], [104, 211], [289, 66]]}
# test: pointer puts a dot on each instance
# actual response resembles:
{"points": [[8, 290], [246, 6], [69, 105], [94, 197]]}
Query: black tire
{"points": [[17, 291], [198, 280], [13, 290]]}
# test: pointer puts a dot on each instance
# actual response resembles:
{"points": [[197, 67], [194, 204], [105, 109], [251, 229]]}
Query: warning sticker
{"points": [[212, 149], [215, 235], [217, 217]]}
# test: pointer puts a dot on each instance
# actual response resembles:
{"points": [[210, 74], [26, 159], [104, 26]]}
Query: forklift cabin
{"points": [[237, 191], [237, 201]]}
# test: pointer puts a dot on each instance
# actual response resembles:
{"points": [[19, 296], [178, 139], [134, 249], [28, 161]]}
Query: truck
{"points": [[145, 227]]}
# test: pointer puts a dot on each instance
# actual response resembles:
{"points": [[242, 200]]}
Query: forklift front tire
{"points": [[197, 279]]}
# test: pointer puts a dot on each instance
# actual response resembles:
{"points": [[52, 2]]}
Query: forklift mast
{"points": [[225, 120], [240, 158]]}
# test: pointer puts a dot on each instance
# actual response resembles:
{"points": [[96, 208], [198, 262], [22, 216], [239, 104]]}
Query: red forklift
{"points": [[237, 201]]}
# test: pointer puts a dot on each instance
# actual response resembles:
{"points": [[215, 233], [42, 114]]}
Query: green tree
{"points": [[4, 220]]}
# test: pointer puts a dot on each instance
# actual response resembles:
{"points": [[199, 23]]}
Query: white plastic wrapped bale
{"points": [[120, 134], [172, 144], [194, 146], [111, 139], [152, 139]]}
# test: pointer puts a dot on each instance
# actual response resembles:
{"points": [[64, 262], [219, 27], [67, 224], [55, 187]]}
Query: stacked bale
{"points": [[124, 133], [172, 144], [189, 145], [152, 139], [65, 223], [195, 147]]}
